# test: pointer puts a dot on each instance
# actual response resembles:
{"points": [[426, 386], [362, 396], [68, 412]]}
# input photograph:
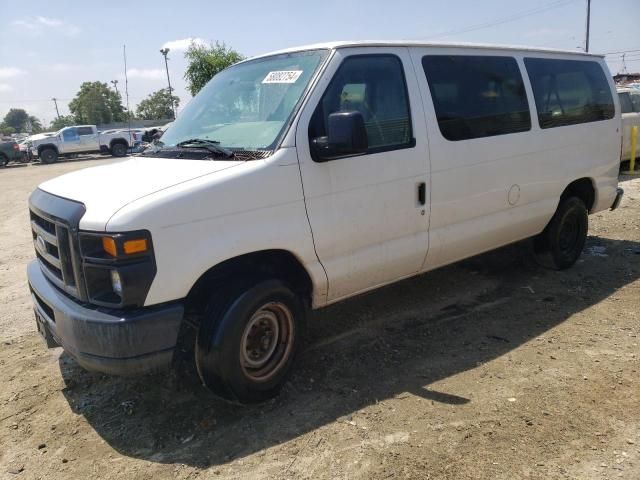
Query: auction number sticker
{"points": [[282, 76]]}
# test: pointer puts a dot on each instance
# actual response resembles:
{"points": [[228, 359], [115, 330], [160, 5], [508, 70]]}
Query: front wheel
{"points": [[560, 244], [247, 341], [48, 155]]}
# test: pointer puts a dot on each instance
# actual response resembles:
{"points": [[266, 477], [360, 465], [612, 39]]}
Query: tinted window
{"points": [[568, 92], [625, 102], [85, 131], [375, 86], [477, 96], [635, 101], [70, 134]]}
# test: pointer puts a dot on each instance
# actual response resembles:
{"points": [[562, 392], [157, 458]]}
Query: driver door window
{"points": [[375, 86]]}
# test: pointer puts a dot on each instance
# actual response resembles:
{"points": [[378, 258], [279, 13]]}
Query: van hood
{"points": [[106, 189]]}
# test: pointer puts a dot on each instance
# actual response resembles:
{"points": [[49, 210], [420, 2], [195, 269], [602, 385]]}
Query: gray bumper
{"points": [[117, 342]]}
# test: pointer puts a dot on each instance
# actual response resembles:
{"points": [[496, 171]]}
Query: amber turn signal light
{"points": [[109, 246], [135, 246]]}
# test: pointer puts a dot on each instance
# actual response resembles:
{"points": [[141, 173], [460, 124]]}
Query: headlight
{"points": [[118, 267]]}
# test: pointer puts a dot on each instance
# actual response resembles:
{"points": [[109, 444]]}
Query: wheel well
{"points": [[45, 146], [118, 140], [583, 189], [279, 264]]}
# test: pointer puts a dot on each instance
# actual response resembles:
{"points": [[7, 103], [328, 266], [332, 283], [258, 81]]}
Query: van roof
{"points": [[420, 43]]}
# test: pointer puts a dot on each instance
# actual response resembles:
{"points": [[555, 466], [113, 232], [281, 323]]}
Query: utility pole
{"points": [[115, 85], [164, 52], [55, 101], [586, 43]]}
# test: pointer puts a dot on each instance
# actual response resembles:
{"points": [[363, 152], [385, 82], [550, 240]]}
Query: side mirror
{"points": [[346, 135]]}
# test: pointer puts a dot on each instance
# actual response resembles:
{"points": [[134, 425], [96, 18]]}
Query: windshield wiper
{"points": [[211, 145]]}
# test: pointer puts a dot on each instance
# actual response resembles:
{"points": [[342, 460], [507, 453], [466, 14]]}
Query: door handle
{"points": [[422, 193]]}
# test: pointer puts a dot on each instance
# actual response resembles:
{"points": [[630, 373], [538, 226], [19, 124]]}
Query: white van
{"points": [[304, 177]]}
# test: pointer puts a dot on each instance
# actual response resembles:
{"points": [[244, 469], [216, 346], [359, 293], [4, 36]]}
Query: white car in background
{"points": [[630, 108]]}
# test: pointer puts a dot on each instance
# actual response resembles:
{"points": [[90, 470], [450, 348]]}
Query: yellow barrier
{"points": [[634, 145]]}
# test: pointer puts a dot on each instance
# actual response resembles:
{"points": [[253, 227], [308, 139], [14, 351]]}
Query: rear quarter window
{"points": [[569, 92]]}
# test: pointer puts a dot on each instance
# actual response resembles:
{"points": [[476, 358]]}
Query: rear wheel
{"points": [[48, 155], [118, 149], [560, 244], [247, 341], [4, 160]]}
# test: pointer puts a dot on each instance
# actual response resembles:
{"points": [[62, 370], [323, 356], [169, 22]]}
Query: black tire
{"points": [[238, 355], [48, 155], [560, 244], [4, 160], [119, 149]]}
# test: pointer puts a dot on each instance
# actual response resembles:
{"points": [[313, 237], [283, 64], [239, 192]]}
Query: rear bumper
{"points": [[616, 202], [116, 342]]}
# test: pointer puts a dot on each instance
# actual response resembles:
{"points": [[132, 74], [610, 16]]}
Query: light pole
{"points": [[164, 52], [586, 43], [55, 101], [115, 85]]}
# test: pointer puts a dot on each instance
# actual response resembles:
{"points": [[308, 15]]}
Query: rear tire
{"points": [[559, 246], [48, 155], [4, 160], [119, 149], [248, 339]]}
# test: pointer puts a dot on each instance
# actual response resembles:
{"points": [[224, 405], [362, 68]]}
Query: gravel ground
{"points": [[491, 368]]}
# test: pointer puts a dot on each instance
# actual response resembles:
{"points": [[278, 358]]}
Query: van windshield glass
{"points": [[247, 106]]}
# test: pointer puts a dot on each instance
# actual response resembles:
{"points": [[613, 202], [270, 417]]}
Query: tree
{"points": [[63, 121], [96, 103], [157, 105], [205, 61], [16, 118], [36, 124], [5, 130]]}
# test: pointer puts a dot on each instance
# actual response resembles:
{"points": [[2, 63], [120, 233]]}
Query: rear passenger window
{"points": [[85, 131], [569, 92], [477, 96], [375, 86]]}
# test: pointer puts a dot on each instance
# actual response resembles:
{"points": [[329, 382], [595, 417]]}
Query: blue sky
{"points": [[47, 49]]}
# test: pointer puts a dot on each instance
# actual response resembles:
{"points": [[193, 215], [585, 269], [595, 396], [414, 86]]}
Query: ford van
{"points": [[300, 178]]}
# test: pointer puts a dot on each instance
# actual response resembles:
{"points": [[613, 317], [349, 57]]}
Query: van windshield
{"points": [[247, 106]]}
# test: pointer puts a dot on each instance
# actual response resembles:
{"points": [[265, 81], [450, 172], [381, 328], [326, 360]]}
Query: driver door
{"points": [[71, 140], [369, 213]]}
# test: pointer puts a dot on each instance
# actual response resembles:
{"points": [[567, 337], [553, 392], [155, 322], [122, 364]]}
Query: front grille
{"points": [[53, 243]]}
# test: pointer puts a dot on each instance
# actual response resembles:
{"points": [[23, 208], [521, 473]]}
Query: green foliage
{"points": [[36, 124], [157, 105], [17, 120], [96, 103], [205, 61], [63, 121]]}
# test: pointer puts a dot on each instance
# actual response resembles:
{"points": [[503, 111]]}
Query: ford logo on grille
{"points": [[41, 243]]}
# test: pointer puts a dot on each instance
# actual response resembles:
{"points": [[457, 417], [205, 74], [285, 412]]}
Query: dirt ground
{"points": [[491, 368]]}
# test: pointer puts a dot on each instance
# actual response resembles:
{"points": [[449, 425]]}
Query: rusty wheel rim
{"points": [[267, 341]]}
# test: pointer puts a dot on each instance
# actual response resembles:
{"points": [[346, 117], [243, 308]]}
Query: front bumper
{"points": [[116, 342]]}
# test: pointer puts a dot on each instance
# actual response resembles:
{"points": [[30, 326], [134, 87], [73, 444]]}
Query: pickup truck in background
{"points": [[82, 139], [9, 152]]}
